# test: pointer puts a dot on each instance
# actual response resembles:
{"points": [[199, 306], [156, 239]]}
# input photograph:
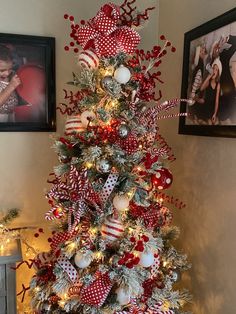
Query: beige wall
{"points": [[205, 176]]}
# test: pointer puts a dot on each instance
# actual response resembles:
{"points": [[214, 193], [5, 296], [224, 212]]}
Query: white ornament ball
{"points": [[112, 229], [86, 117], [120, 202], [123, 296], [81, 260], [146, 259], [73, 125], [88, 59], [122, 75]]}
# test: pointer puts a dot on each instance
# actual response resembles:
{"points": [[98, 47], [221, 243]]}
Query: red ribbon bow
{"points": [[103, 34]]}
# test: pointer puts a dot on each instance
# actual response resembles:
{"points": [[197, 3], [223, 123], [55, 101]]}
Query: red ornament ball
{"points": [[162, 179]]}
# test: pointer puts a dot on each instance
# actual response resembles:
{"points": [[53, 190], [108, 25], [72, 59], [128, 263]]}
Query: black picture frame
{"points": [[34, 105], [202, 46]]}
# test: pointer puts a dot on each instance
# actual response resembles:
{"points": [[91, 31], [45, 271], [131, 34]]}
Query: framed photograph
{"points": [[27, 83], [209, 78]]}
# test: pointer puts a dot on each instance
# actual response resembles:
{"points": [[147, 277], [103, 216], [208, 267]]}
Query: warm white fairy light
{"points": [[93, 231], [166, 305], [1, 248], [109, 71], [165, 263], [88, 165], [37, 289], [62, 303], [98, 255], [113, 103]]}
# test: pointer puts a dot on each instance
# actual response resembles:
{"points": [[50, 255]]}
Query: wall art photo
{"points": [[27, 83], [209, 78]]}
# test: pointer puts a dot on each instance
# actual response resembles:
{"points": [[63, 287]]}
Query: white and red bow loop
{"points": [[105, 35]]}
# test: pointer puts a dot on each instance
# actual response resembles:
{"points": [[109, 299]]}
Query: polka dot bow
{"points": [[105, 36]]}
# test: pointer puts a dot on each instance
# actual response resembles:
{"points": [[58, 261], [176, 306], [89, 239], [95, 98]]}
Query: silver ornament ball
{"points": [[175, 275], [103, 166], [106, 81], [123, 131]]}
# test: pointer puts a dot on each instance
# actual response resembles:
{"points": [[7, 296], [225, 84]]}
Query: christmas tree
{"points": [[111, 248]]}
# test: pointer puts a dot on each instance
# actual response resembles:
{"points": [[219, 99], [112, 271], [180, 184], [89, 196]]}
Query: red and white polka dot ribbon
{"points": [[97, 292], [108, 186], [129, 144], [155, 266], [60, 238], [103, 34], [66, 265]]}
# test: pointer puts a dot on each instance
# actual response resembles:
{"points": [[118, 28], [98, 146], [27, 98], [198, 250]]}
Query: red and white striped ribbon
{"points": [[174, 115], [169, 104], [157, 309], [50, 214]]}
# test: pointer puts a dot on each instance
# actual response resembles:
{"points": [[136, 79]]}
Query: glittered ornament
{"points": [[122, 74], [175, 275], [88, 59], [120, 202], [82, 260], [123, 130], [162, 179], [146, 259], [112, 229], [87, 117], [74, 125], [103, 166], [123, 296], [106, 81]]}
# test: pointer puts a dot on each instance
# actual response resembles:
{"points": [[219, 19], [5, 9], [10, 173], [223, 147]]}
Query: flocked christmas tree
{"points": [[111, 248]]}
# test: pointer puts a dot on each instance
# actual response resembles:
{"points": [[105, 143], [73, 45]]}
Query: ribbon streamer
{"points": [[108, 186], [68, 268]]}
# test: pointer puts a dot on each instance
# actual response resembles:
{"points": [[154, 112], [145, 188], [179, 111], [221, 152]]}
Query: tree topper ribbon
{"points": [[103, 34]]}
